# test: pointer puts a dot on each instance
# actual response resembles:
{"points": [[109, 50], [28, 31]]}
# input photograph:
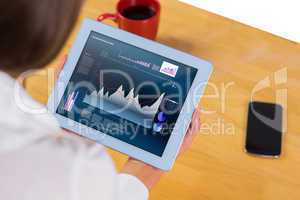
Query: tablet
{"points": [[129, 93]]}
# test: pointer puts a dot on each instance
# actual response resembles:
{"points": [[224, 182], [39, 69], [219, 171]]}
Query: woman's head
{"points": [[33, 31]]}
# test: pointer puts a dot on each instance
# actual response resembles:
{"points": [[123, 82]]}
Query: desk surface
{"points": [[216, 166]]}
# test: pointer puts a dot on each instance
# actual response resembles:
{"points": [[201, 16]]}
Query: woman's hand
{"points": [[194, 128], [150, 175]]}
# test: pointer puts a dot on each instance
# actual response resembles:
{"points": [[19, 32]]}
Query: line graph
{"points": [[127, 107]]}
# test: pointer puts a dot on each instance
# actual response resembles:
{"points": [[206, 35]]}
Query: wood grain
{"points": [[216, 166]]}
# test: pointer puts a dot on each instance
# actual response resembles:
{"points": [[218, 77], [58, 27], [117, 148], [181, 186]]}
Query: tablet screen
{"points": [[127, 92]]}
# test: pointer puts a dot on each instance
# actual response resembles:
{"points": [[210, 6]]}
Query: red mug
{"points": [[147, 28]]}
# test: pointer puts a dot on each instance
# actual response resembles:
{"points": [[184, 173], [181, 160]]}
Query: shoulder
{"points": [[22, 119]]}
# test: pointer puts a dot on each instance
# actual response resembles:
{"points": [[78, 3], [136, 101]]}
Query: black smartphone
{"points": [[264, 129]]}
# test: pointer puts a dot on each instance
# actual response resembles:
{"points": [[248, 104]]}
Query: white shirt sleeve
{"points": [[35, 164], [95, 170], [131, 188]]}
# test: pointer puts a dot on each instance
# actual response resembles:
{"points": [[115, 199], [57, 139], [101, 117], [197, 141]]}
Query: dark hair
{"points": [[33, 31]]}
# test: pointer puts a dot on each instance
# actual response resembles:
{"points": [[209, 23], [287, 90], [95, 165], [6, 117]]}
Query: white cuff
{"points": [[131, 188]]}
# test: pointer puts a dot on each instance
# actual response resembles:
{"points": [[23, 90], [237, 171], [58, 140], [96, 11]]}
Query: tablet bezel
{"points": [[165, 162]]}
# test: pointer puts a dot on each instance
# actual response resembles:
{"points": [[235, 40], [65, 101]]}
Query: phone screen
{"points": [[264, 129]]}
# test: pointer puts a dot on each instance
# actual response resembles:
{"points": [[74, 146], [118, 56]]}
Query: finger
{"points": [[197, 123], [62, 62], [191, 132], [194, 126], [61, 65], [191, 124]]}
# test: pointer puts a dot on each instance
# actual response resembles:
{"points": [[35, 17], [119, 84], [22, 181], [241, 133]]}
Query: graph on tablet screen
{"points": [[127, 92]]}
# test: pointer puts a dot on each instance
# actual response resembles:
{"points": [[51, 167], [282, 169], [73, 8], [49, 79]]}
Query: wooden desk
{"points": [[216, 166]]}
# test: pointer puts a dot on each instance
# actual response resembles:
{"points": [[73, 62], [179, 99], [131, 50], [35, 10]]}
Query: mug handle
{"points": [[105, 16]]}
